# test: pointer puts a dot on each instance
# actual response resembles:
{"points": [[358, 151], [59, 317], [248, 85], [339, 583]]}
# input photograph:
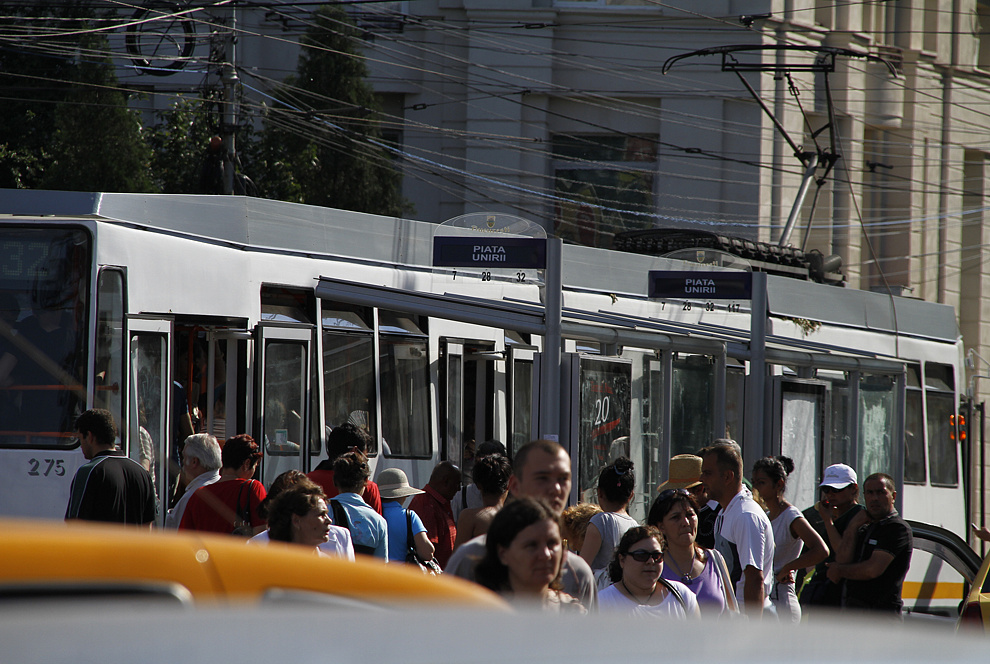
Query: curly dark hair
{"points": [[776, 468], [299, 500], [238, 449], [616, 481], [632, 536], [512, 519], [287, 480], [351, 472], [491, 474]]}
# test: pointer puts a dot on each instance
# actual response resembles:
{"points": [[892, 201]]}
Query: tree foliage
{"points": [[64, 123], [318, 145], [180, 144]]}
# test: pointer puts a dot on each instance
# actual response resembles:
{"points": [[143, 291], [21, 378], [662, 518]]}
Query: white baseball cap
{"points": [[838, 476]]}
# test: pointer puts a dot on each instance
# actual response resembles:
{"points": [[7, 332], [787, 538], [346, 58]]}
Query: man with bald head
{"points": [[433, 507], [541, 469]]}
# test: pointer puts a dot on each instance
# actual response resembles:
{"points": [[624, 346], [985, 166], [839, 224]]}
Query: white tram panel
{"points": [[209, 256]]}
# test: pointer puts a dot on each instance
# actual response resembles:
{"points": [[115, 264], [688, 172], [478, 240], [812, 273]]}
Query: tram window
{"points": [[939, 377], [914, 439], [522, 403], [513, 338], [840, 442], [942, 449], [604, 419], [876, 425], [692, 404], [149, 393], [349, 392], [109, 387], [405, 390], [284, 395], [346, 317], [393, 323], [286, 305], [735, 402], [44, 286]]}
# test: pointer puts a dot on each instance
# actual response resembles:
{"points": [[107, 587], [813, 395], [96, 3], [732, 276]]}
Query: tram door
{"points": [[523, 398], [283, 360], [800, 420], [472, 411], [148, 402]]}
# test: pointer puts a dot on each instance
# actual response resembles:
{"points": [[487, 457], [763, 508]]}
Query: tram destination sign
{"points": [[490, 252], [700, 285]]}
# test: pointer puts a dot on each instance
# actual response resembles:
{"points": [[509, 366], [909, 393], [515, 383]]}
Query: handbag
{"points": [[723, 572], [430, 567], [242, 518]]}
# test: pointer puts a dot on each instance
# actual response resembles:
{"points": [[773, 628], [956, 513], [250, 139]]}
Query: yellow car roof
{"points": [[47, 556]]}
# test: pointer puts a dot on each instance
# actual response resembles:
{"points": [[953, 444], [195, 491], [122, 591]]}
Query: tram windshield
{"points": [[44, 300]]}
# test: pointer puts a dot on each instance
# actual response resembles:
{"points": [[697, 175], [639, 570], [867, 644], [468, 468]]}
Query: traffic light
{"points": [[958, 424]]}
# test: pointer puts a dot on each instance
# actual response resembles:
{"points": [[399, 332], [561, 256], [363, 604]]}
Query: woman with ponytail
{"points": [[615, 489], [791, 534]]}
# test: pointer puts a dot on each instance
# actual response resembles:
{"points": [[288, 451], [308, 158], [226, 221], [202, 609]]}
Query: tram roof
{"points": [[276, 225]]}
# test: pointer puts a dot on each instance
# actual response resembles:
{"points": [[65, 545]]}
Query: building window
{"points": [[604, 185]]}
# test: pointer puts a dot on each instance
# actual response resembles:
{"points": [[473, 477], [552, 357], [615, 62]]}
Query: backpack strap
{"points": [[410, 545], [673, 591], [339, 514], [340, 519]]}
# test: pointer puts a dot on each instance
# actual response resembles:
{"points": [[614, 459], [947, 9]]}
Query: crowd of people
{"points": [[713, 544]]}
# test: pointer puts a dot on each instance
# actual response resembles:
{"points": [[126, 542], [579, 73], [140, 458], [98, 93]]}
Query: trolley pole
{"points": [[550, 425], [756, 443]]}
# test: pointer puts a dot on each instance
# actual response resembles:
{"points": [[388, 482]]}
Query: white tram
{"points": [[283, 321]]}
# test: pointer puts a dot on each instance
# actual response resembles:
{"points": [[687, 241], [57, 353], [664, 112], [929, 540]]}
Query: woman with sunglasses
{"points": [[791, 533], [637, 587], [675, 514], [523, 555]]}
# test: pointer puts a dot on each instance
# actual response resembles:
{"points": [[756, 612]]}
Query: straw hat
{"points": [[683, 472], [393, 483]]}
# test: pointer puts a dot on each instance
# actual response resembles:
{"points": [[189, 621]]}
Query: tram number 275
{"points": [[46, 467]]}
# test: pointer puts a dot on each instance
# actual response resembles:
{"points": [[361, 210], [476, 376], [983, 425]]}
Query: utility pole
{"points": [[228, 78]]}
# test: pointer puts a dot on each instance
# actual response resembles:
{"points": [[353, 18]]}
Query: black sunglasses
{"points": [[670, 493], [642, 555]]}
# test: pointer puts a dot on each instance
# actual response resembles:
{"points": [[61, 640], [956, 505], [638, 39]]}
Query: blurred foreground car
{"points": [[943, 569], [269, 635], [975, 615], [53, 560]]}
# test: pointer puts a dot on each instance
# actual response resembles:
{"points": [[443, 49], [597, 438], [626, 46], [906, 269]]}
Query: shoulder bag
{"points": [[431, 566], [242, 518]]}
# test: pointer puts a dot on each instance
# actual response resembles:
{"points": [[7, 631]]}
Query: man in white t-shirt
{"points": [[743, 534]]}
